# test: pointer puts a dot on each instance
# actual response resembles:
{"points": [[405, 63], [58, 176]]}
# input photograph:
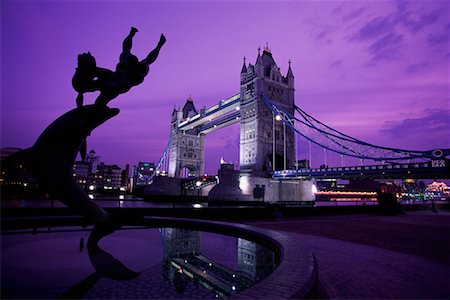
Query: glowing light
{"points": [[222, 161], [244, 184], [437, 186], [238, 108], [233, 288], [346, 193], [198, 183], [278, 117], [91, 196], [91, 187], [210, 264], [314, 189], [122, 189], [121, 197], [197, 205]]}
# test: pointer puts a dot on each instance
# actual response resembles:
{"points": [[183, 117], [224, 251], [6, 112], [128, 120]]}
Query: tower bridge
{"points": [[271, 124]]}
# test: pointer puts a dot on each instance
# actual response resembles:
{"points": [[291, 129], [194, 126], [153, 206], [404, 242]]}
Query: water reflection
{"points": [[184, 263], [172, 263], [106, 266]]}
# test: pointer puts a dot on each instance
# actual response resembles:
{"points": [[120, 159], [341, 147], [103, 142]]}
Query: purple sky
{"points": [[376, 70]]}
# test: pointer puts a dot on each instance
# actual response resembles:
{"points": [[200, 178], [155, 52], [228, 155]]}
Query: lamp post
{"points": [[273, 141], [284, 146], [278, 118]]}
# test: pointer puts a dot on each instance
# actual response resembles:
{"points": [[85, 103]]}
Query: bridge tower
{"points": [[258, 122], [186, 146]]}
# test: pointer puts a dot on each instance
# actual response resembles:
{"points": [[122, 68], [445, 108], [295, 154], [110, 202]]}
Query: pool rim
{"points": [[294, 276]]}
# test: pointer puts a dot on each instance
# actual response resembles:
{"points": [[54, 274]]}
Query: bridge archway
{"points": [[279, 162], [187, 171]]}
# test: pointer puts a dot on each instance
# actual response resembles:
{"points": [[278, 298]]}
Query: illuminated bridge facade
{"points": [[270, 125]]}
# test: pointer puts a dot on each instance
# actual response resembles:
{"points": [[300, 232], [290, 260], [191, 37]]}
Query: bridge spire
{"points": [[267, 49], [244, 67], [290, 74]]}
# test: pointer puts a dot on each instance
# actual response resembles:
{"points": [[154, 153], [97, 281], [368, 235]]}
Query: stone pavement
{"points": [[376, 257]]}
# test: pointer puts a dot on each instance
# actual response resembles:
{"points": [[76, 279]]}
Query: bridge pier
{"points": [[247, 186], [276, 189]]}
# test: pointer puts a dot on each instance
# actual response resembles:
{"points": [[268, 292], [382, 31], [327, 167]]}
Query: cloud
{"points": [[425, 20], [416, 68], [388, 32], [353, 14], [375, 28], [439, 38], [387, 47], [337, 64], [324, 34], [432, 129]]}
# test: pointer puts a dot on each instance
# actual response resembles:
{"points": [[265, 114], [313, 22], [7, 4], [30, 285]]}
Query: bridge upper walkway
{"points": [[224, 113]]}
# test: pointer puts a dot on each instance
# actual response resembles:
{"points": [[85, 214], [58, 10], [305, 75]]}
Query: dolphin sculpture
{"points": [[50, 160]]}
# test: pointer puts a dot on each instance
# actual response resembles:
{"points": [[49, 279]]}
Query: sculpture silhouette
{"points": [[106, 266], [129, 72], [50, 160]]}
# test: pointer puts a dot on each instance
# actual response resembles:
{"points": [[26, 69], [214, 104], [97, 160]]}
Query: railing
{"points": [[439, 168], [233, 100]]}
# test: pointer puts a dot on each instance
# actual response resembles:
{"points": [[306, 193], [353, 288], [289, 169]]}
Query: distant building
{"points": [[143, 173], [125, 177], [109, 177], [14, 175], [94, 175], [93, 160], [81, 173]]}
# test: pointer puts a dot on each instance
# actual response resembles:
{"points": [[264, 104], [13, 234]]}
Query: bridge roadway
{"points": [[225, 113], [435, 169]]}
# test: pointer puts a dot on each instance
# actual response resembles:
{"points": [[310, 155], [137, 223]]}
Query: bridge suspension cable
{"points": [[323, 135], [163, 163]]}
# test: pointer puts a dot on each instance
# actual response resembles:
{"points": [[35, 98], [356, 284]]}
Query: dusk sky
{"points": [[375, 70]]}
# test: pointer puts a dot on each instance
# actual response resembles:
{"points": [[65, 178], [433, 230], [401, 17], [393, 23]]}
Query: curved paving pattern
{"points": [[377, 257]]}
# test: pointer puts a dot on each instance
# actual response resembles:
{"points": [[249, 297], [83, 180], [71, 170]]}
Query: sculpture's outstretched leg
{"points": [[153, 55], [128, 41]]}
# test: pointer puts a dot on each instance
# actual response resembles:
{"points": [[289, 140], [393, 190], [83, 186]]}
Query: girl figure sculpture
{"points": [[129, 72]]}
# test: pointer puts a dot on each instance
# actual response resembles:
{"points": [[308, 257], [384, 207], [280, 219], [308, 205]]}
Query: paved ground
{"points": [[377, 257]]}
